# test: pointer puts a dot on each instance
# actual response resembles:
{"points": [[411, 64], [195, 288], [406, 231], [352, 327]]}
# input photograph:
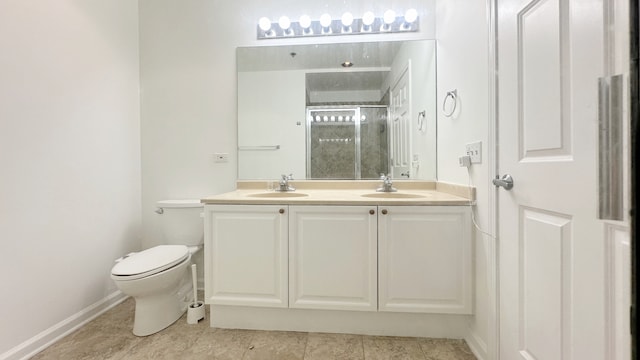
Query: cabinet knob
{"points": [[281, 211], [384, 211], [372, 212]]}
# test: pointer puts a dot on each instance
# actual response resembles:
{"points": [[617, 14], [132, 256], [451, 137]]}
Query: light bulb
{"points": [[347, 19], [305, 21], [389, 17], [265, 24], [410, 16], [368, 18], [305, 24], [284, 23], [325, 22]]}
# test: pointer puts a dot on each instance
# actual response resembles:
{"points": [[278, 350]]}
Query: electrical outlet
{"points": [[221, 157], [474, 150]]}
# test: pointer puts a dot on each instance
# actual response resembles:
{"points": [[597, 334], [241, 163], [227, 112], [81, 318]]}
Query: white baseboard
{"points": [[49, 336], [477, 345]]}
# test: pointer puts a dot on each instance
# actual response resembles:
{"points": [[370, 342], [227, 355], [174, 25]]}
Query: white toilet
{"points": [[159, 278]]}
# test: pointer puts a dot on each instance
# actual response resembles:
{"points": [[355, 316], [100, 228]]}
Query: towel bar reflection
{"points": [[422, 118]]}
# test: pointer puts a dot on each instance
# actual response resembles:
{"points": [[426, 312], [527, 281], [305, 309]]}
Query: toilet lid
{"points": [[150, 261]]}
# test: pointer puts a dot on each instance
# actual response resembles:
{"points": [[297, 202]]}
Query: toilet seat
{"points": [[149, 262]]}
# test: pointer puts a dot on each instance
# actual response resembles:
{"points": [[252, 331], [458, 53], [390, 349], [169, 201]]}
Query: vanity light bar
{"points": [[389, 22]]}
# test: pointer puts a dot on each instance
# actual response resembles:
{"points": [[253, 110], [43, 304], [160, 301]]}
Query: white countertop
{"points": [[347, 193]]}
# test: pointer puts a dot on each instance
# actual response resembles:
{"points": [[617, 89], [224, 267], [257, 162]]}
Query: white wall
{"points": [[69, 157], [463, 63], [188, 80]]}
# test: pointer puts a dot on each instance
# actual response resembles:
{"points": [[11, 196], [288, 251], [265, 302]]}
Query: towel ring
{"points": [[422, 117], [454, 96]]}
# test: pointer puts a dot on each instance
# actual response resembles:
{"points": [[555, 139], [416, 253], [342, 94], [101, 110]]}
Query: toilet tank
{"points": [[182, 221]]}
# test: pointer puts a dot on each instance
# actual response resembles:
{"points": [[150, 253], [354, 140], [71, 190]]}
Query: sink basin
{"points": [[277, 194], [393, 195]]}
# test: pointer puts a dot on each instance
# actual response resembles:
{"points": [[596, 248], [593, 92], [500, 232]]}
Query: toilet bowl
{"points": [[159, 278]]}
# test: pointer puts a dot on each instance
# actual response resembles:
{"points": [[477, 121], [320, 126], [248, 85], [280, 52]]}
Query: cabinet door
{"points": [[246, 255], [425, 259], [333, 257]]}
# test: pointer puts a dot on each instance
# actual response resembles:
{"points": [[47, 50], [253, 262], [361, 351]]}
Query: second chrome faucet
{"points": [[387, 184]]}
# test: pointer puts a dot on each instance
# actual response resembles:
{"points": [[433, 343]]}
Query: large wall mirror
{"points": [[337, 111]]}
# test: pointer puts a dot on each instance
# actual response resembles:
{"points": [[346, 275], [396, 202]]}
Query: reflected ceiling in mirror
{"points": [[284, 93]]}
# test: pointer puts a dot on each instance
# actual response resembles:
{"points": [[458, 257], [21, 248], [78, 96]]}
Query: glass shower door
{"points": [[374, 141], [332, 143]]}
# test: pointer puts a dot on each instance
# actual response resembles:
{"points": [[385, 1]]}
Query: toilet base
{"points": [[157, 312]]}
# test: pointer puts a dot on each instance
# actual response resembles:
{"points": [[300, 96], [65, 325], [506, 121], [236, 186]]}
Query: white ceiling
{"points": [[345, 81], [371, 61]]}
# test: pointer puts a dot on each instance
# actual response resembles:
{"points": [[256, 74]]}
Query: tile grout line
{"points": [[306, 342]]}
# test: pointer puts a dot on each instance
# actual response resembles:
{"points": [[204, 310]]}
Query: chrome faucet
{"points": [[387, 184], [284, 183]]}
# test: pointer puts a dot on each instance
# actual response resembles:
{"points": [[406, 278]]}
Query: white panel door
{"points": [[425, 259], [550, 242], [246, 255], [333, 257], [400, 122]]}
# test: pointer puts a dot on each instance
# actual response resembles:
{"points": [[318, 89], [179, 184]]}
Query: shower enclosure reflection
{"points": [[347, 142]]}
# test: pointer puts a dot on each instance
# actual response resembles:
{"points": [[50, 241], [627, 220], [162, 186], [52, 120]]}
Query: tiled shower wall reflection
{"points": [[374, 142], [341, 146]]}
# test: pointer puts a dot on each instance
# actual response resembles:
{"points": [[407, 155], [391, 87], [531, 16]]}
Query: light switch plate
{"points": [[474, 150]]}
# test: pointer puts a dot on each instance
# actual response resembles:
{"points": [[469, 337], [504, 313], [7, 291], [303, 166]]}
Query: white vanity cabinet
{"points": [[333, 257], [246, 254], [340, 257], [424, 259]]}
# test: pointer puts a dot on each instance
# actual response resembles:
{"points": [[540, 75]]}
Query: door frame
{"points": [[634, 108], [493, 268]]}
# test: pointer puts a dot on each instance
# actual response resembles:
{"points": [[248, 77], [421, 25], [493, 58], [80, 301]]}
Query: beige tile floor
{"points": [[109, 337]]}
